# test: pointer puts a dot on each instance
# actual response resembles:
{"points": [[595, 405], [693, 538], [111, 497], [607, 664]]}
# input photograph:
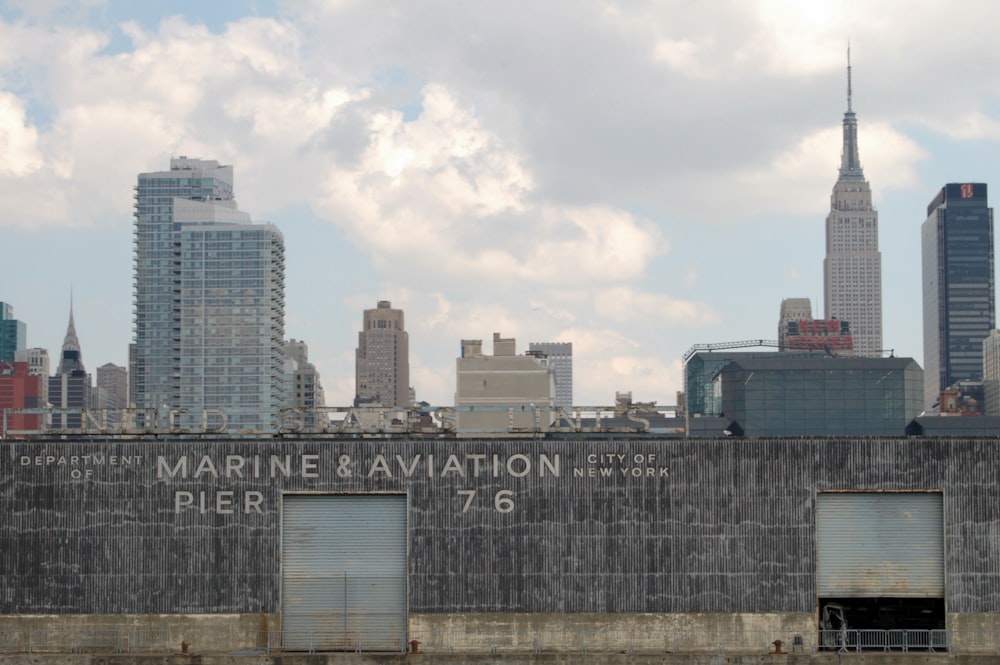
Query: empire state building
{"points": [[852, 269]]}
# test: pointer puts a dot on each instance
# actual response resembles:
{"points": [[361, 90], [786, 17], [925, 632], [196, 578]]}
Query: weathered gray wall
{"points": [[709, 525]]}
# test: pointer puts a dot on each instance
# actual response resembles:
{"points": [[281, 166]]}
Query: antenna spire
{"points": [[849, 76]]}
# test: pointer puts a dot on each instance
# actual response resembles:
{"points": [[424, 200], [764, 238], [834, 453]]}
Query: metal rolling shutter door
{"points": [[344, 572], [873, 544]]}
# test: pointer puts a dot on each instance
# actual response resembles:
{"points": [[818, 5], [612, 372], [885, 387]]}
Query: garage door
{"points": [[872, 544], [343, 576]]}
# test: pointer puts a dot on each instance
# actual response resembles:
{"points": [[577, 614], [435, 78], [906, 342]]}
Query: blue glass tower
{"points": [[12, 333], [209, 300]]}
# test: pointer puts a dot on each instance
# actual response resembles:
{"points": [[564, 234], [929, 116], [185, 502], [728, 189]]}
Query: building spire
{"points": [[849, 76], [72, 342], [71, 358], [850, 162]]}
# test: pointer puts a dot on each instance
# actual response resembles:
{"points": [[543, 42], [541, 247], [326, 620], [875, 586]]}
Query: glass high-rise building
{"points": [[209, 300], [852, 269], [958, 285], [12, 333]]}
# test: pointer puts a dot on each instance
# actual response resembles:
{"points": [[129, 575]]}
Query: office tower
{"points": [[382, 370], [12, 333], [19, 389], [560, 355], [959, 293], [852, 269], [209, 300], [112, 386], [527, 383], [70, 387], [991, 374]]}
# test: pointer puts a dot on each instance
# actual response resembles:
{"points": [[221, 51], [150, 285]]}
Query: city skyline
{"points": [[542, 181]]}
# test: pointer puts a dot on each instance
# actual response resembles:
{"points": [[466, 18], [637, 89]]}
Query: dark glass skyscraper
{"points": [[12, 333], [959, 293]]}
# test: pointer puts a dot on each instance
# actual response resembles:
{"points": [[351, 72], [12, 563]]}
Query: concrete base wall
{"points": [[476, 633], [975, 633], [157, 633], [484, 633], [623, 633]]}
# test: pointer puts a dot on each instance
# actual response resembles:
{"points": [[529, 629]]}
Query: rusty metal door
{"points": [[343, 572], [872, 544]]}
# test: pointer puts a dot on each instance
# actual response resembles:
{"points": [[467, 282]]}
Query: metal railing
{"points": [[846, 641]]}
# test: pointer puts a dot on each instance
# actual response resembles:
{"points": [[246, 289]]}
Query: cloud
{"points": [[19, 150], [443, 195], [624, 305]]}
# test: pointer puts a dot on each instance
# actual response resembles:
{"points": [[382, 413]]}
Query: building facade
{"points": [[505, 390], [209, 300], [19, 389], [12, 333], [560, 359], [959, 299], [112, 386], [852, 269], [991, 374], [784, 395], [646, 546], [38, 364], [306, 389], [792, 309], [382, 359]]}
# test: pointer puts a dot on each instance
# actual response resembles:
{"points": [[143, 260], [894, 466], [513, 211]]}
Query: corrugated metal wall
{"points": [[730, 528], [343, 571], [880, 544]]}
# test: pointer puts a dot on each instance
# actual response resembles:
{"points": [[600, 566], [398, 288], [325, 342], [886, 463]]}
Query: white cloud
{"points": [[19, 151], [623, 305]]}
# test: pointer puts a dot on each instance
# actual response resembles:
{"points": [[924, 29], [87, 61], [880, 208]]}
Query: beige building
{"points": [[382, 370], [503, 391], [852, 269]]}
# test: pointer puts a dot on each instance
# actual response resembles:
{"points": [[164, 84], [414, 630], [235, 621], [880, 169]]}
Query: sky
{"points": [[632, 177]]}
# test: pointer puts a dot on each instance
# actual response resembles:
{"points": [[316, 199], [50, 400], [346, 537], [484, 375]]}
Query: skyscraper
{"points": [[560, 355], [70, 387], [991, 374], [852, 269], [209, 299], [959, 293], [382, 370], [12, 333]]}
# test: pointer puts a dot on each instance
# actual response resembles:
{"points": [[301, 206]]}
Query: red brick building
{"points": [[19, 390]]}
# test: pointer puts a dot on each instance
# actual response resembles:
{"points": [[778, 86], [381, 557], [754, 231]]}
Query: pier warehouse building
{"points": [[655, 544]]}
